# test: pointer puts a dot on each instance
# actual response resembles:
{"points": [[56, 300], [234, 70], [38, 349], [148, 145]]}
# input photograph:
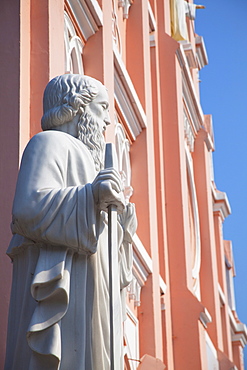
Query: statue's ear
{"points": [[66, 99]]}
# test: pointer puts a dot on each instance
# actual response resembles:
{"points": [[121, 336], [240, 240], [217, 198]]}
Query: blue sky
{"points": [[223, 25]]}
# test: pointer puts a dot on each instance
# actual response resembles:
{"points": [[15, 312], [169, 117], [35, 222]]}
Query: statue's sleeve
{"points": [[46, 209], [128, 222]]}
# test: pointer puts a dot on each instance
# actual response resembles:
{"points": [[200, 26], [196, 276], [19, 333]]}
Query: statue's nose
{"points": [[107, 119]]}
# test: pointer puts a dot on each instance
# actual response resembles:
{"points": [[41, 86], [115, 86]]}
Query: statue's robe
{"points": [[59, 309]]}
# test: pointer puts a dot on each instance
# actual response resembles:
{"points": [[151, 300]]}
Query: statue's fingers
{"points": [[112, 185], [109, 173]]}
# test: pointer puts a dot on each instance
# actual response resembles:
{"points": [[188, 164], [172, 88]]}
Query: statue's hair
{"points": [[64, 97]]}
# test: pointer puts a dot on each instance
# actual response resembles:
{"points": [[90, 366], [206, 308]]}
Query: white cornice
{"points": [[191, 100], [152, 26], [201, 52], [142, 268], [222, 295], [127, 98], [88, 15], [220, 202], [152, 21], [125, 4], [239, 329], [189, 52], [163, 286], [142, 260], [205, 317], [208, 126]]}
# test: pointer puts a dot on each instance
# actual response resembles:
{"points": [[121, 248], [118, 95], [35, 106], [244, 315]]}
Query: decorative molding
{"points": [[220, 202], [208, 126], [88, 15], [189, 52], [151, 17], [188, 133], [125, 4], [239, 329], [142, 268], [221, 295], [73, 48], [131, 340], [124, 166], [142, 261], [152, 26], [127, 99], [163, 286], [201, 52], [205, 317], [152, 40], [230, 289], [115, 29], [134, 290], [190, 97], [162, 303], [229, 258], [212, 355], [196, 221]]}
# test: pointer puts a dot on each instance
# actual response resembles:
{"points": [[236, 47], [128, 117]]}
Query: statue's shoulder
{"points": [[50, 136], [52, 140]]}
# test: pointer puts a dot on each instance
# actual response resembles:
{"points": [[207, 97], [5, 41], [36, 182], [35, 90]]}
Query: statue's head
{"points": [[78, 105]]}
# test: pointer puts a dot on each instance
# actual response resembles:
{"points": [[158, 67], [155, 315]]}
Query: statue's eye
{"points": [[105, 106]]}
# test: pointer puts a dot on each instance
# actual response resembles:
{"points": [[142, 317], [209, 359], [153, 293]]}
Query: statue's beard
{"points": [[90, 134]]}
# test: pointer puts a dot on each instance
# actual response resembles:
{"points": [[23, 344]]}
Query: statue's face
{"points": [[98, 108]]}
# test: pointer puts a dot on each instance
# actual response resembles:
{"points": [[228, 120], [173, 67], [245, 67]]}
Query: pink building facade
{"points": [[181, 310]]}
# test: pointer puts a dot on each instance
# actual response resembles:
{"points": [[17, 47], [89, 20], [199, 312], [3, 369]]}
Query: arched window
{"points": [[123, 149], [73, 48]]}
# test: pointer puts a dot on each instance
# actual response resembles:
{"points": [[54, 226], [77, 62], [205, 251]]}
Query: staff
{"points": [[111, 161]]}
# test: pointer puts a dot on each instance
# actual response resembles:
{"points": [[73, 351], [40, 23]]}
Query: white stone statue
{"points": [[59, 309]]}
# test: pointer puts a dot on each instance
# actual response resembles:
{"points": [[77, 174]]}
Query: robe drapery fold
{"points": [[60, 263]]}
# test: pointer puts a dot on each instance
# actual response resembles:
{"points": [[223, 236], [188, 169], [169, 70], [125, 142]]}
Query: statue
{"points": [[59, 311]]}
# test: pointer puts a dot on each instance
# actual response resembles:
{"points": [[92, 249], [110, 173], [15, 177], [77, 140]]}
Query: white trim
{"points": [[201, 52], [188, 133], [222, 295], [240, 330], [220, 202], [127, 98], [142, 254], [210, 346], [197, 263], [125, 4], [124, 165], [163, 286], [152, 21], [131, 315], [190, 97], [189, 52], [95, 10], [88, 15], [205, 317], [73, 48], [128, 350]]}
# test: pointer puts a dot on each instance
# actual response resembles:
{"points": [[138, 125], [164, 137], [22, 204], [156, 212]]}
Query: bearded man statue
{"points": [[59, 309]]}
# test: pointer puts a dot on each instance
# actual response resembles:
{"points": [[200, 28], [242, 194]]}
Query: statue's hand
{"points": [[107, 190], [128, 221]]}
